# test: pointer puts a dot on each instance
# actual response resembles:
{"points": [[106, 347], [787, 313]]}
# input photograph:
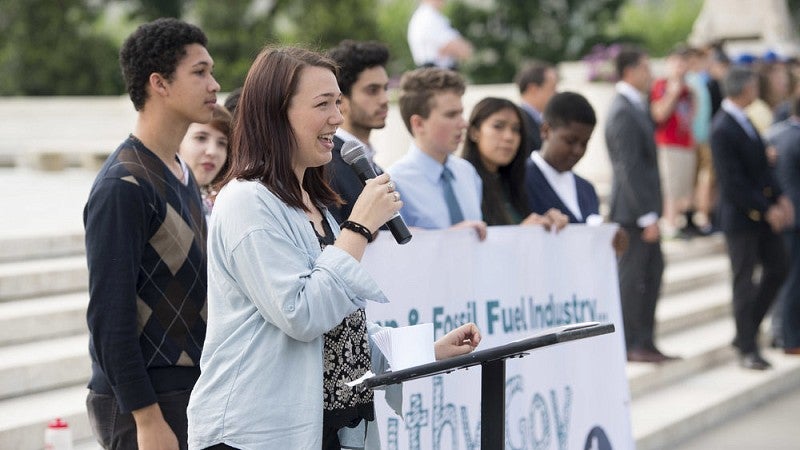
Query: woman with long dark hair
{"points": [[495, 146], [286, 297]]}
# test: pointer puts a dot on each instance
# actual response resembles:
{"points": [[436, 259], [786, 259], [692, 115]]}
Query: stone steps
{"points": [[44, 361], [676, 250], [44, 365], [37, 246], [700, 348], [24, 419], [684, 409], [694, 307], [24, 279], [674, 401], [45, 317], [689, 274]]}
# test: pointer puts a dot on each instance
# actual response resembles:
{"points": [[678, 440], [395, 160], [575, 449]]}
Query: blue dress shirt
{"points": [[419, 180]]}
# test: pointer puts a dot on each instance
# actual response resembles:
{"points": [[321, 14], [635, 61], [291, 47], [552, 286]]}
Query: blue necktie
{"points": [[453, 207]]}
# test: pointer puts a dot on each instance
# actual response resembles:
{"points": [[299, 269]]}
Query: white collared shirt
{"points": [[632, 94], [429, 31], [741, 117], [561, 182]]}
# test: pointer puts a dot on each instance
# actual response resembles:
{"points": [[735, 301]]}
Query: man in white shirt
{"points": [[432, 40]]}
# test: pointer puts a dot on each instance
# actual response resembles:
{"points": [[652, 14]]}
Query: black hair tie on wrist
{"points": [[358, 228]]}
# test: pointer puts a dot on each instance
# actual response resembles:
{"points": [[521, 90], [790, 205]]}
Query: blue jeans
{"points": [[115, 430]]}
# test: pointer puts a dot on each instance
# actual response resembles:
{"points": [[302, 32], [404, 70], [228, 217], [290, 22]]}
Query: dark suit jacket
{"points": [[785, 136], [542, 196], [715, 91], [636, 187], [344, 180], [747, 187], [532, 131]]}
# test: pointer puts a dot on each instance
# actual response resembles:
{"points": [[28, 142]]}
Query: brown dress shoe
{"points": [[644, 355], [792, 350], [667, 357]]}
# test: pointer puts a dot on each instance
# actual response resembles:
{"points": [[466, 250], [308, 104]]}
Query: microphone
{"points": [[353, 154]]}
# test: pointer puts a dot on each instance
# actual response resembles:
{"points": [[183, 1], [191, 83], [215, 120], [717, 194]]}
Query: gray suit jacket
{"points": [[636, 188]]}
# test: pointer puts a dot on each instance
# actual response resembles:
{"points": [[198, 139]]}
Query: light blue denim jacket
{"points": [[272, 294]]}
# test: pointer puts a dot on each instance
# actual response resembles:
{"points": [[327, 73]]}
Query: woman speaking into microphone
{"points": [[286, 294]]}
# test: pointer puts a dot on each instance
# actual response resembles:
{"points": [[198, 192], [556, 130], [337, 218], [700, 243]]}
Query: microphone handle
{"points": [[396, 224], [399, 229]]}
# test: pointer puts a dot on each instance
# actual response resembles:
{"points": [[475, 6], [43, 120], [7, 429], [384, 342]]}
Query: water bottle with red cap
{"points": [[58, 436]]}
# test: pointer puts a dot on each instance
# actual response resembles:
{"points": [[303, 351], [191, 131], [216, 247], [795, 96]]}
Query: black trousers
{"points": [[641, 268], [115, 430], [752, 298], [790, 293]]}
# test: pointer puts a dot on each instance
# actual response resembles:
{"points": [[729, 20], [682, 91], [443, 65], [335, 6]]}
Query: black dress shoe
{"points": [[754, 361]]}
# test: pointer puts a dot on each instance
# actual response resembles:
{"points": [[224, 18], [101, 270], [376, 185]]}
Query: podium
{"points": [[493, 372]]}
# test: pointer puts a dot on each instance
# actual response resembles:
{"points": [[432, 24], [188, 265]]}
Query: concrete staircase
{"points": [[44, 363], [675, 401]]}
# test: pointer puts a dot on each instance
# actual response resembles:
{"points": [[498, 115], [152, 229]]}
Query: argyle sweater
{"points": [[146, 251]]}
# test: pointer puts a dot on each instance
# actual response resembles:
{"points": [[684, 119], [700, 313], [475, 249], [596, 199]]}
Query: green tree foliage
{"points": [[51, 48], [153, 9], [506, 33], [324, 24], [236, 31], [240, 28], [674, 23], [393, 17]]}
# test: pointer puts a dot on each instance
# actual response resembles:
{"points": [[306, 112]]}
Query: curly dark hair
{"points": [[353, 57], [155, 47]]}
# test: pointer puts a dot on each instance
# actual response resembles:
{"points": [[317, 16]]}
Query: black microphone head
{"points": [[352, 151]]}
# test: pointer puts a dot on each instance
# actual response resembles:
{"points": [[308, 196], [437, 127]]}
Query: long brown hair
{"points": [[221, 121], [512, 176], [263, 141]]}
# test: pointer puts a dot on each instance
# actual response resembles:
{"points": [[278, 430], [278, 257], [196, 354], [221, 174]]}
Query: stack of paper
{"points": [[406, 347]]}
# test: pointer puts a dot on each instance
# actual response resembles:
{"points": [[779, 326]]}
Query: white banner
{"points": [[521, 280]]}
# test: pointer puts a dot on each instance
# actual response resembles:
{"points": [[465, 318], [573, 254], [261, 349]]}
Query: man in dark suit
{"points": [[785, 136], [751, 212], [364, 83], [636, 203], [537, 82]]}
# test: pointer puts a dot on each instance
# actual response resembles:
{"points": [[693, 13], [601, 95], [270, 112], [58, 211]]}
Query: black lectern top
{"points": [[513, 349]]}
